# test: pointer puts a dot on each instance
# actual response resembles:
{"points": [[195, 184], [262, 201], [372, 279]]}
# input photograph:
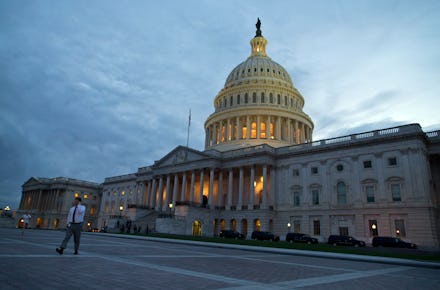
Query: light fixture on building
{"points": [[121, 208], [397, 232], [255, 183], [373, 226], [289, 225], [261, 178], [76, 194]]}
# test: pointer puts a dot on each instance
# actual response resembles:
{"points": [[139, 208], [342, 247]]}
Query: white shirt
{"points": [[26, 218], [79, 214]]}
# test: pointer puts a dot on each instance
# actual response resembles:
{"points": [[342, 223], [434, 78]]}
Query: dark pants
{"points": [[75, 230]]}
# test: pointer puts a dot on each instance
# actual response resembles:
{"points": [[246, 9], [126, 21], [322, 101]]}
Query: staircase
{"points": [[148, 219]]}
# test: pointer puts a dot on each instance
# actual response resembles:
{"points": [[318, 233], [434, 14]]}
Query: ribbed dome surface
{"points": [[260, 67]]}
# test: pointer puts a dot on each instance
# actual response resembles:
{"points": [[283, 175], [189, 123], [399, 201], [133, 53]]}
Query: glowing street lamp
{"points": [[170, 205], [121, 208]]}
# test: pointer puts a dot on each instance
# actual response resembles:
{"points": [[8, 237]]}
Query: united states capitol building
{"points": [[262, 170]]}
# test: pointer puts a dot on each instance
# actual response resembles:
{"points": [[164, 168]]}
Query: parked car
{"points": [[230, 234], [392, 242], [300, 238], [338, 240], [261, 236]]}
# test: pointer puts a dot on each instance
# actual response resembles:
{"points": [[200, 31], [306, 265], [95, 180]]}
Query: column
{"points": [[211, 187], [296, 133], [252, 188], [191, 190], [220, 189], [240, 190], [228, 131], [201, 186], [160, 195], [271, 199], [153, 194], [230, 183], [183, 189], [258, 126], [175, 186], [248, 127], [302, 133], [268, 127], [237, 128], [167, 195], [289, 130], [264, 205], [278, 128]]}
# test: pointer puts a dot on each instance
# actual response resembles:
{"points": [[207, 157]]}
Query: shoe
{"points": [[76, 253], [59, 250]]}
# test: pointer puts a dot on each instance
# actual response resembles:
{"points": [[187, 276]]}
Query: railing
{"points": [[433, 134], [120, 177]]}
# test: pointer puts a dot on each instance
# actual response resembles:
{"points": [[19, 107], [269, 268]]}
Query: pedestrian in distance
{"points": [[26, 219], [75, 220]]}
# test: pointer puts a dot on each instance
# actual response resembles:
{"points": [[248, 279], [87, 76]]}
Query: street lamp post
{"points": [[170, 206], [288, 227], [121, 208]]}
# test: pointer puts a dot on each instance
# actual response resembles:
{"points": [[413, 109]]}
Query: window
{"points": [[231, 101], [296, 200], [254, 97], [296, 226], [316, 227], [295, 172], [244, 132], [374, 231], [254, 130], [92, 210], [368, 164], [262, 98], [400, 228], [262, 130], [315, 197], [278, 99], [343, 231], [224, 102], [342, 192], [369, 189], [271, 98], [395, 192], [340, 167], [314, 170], [238, 100], [285, 101], [246, 98], [392, 161]]}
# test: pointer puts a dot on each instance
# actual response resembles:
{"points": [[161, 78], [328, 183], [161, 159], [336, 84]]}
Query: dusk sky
{"points": [[92, 89]]}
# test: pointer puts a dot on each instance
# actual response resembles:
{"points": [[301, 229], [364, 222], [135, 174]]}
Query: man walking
{"points": [[74, 225], [26, 219]]}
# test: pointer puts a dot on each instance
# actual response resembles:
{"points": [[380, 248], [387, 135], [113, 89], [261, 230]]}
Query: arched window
{"points": [[271, 98], [254, 130], [285, 101], [341, 189], [231, 101], [278, 99], [262, 98], [254, 97], [224, 102], [238, 100], [246, 98], [262, 130]]}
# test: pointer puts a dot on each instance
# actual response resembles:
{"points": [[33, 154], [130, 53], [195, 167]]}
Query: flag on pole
{"points": [[189, 119]]}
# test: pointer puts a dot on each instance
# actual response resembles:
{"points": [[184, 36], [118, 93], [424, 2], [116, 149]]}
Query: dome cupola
{"points": [[257, 105]]}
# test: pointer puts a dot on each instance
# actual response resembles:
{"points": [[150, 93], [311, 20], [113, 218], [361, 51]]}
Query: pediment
{"points": [[32, 181], [179, 155]]}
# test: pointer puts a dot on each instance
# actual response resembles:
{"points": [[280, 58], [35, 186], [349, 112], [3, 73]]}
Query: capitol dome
{"points": [[257, 105]]}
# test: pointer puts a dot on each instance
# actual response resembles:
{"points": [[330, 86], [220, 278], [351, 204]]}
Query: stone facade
{"points": [[261, 170], [48, 201]]}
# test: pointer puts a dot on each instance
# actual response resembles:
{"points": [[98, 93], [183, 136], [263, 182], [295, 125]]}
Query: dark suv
{"points": [[300, 238], [392, 242], [336, 240], [230, 234], [261, 236]]}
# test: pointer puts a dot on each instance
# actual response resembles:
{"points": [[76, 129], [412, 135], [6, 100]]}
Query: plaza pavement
{"points": [[112, 262]]}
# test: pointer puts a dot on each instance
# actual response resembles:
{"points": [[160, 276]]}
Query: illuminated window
{"points": [[316, 228], [262, 130], [86, 196], [92, 210], [223, 133], [272, 136], [243, 132], [254, 130], [123, 193], [297, 226], [342, 192], [76, 194]]}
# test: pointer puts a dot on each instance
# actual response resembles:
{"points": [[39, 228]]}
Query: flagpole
{"points": [[189, 124]]}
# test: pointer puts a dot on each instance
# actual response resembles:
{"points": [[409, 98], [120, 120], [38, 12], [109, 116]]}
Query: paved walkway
{"points": [[107, 262]]}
